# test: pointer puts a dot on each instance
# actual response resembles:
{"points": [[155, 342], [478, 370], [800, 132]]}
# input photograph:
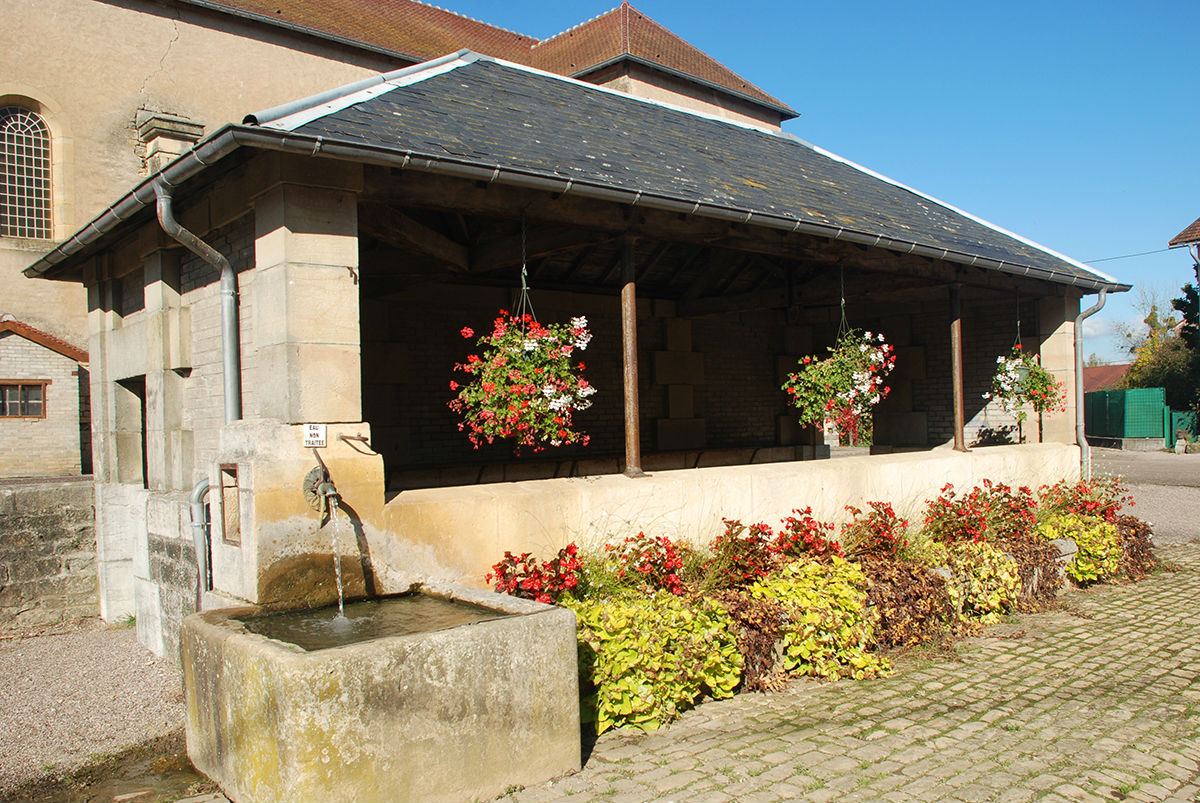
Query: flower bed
{"points": [[662, 624]]}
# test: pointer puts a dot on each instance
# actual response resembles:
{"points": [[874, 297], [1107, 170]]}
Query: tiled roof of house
{"points": [[1188, 236], [9, 324], [625, 30], [1103, 377], [502, 116], [422, 32]]}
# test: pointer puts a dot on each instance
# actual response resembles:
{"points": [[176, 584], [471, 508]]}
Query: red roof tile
{"points": [[45, 339], [422, 32], [625, 30], [1188, 236], [1103, 377]]}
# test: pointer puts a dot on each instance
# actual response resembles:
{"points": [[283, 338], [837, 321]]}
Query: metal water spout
{"points": [[319, 490]]}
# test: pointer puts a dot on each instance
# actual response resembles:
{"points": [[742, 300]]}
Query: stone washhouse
{"points": [[363, 228]]}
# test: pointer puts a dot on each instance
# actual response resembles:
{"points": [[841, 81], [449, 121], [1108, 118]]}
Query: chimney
{"points": [[165, 136]]}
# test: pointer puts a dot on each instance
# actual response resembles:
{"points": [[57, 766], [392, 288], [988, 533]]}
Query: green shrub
{"points": [[829, 627], [1098, 541], [985, 581], [643, 661]]}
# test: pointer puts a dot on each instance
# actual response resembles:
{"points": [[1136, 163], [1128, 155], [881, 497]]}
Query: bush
{"points": [[950, 517], [740, 556], [880, 532], [1137, 559], [911, 599], [802, 535], [1102, 496], [649, 563], [829, 628], [758, 625], [1010, 514], [1099, 545], [985, 581], [1037, 565], [643, 661], [548, 582]]}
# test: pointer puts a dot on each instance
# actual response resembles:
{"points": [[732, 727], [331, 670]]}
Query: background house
{"points": [[94, 95]]}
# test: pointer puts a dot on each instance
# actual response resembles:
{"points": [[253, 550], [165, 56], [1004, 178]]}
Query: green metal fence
{"points": [[1135, 413]]}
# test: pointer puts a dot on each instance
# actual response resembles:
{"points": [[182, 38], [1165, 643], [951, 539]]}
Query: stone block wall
{"points": [[47, 553]]}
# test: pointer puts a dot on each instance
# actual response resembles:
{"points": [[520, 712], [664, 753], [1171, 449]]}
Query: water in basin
{"points": [[322, 628]]}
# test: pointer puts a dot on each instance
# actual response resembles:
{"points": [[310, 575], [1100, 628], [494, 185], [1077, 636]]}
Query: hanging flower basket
{"points": [[844, 386], [1021, 381], [522, 385]]}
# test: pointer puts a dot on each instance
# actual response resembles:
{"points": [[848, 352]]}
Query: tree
{"points": [[1163, 357], [1188, 305]]}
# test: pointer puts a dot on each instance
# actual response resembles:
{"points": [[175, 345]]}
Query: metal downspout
{"points": [[231, 359], [1085, 452], [201, 538]]}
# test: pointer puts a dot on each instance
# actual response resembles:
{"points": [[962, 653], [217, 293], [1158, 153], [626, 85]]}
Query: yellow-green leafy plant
{"points": [[828, 629], [1098, 542], [643, 661], [985, 581]]}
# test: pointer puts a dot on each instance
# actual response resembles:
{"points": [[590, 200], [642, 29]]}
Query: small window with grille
{"points": [[23, 399], [24, 174]]}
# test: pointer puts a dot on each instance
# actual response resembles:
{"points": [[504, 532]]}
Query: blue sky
{"points": [[1071, 123]]}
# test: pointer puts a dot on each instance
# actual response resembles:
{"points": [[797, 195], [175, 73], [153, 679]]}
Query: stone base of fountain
{"points": [[454, 714]]}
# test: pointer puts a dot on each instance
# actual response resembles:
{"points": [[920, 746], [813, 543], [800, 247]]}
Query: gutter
{"points": [[232, 137], [231, 359], [1085, 451]]}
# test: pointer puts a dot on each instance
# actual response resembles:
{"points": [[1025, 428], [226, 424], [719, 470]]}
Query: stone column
{"points": [[1056, 333]]}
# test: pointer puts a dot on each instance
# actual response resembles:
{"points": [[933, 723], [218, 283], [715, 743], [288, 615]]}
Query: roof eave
{"points": [[303, 30], [231, 137], [785, 112]]}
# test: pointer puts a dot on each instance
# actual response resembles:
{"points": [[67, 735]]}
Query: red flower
{"points": [[467, 332]]}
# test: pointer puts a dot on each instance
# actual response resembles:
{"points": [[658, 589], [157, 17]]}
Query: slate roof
{"points": [[497, 115], [419, 32], [475, 117], [1188, 236]]}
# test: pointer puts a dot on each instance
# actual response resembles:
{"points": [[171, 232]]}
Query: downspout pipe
{"points": [[202, 539], [1085, 452], [231, 358]]}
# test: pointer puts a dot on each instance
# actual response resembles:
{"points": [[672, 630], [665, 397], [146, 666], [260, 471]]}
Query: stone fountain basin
{"points": [[455, 714]]}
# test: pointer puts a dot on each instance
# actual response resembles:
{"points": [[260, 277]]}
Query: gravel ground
{"points": [[68, 696]]}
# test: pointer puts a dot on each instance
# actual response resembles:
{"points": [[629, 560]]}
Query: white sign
{"points": [[314, 435]]}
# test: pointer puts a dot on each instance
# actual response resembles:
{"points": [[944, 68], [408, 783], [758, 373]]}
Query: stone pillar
{"points": [[1056, 333], [302, 362], [305, 316]]}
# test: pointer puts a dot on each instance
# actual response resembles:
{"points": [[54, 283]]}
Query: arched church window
{"points": [[24, 174]]}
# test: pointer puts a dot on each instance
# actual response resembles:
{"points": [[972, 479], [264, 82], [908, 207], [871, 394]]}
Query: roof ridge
{"points": [[534, 39], [10, 324], [576, 27]]}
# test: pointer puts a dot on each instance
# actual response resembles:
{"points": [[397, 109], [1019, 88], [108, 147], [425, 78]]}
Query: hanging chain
{"points": [[1018, 340], [524, 305], [844, 326]]}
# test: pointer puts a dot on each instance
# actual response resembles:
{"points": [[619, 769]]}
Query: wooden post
{"points": [[956, 367], [633, 446]]}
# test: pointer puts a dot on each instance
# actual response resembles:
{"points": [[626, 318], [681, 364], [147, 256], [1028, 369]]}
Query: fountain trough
{"points": [[459, 712]]}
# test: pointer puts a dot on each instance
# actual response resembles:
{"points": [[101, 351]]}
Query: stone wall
{"points": [[47, 553]]}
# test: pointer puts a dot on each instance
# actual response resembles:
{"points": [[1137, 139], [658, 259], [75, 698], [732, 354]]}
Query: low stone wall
{"points": [[47, 553], [465, 530]]}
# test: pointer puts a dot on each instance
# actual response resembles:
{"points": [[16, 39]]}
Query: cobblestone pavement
{"points": [[1098, 701]]}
